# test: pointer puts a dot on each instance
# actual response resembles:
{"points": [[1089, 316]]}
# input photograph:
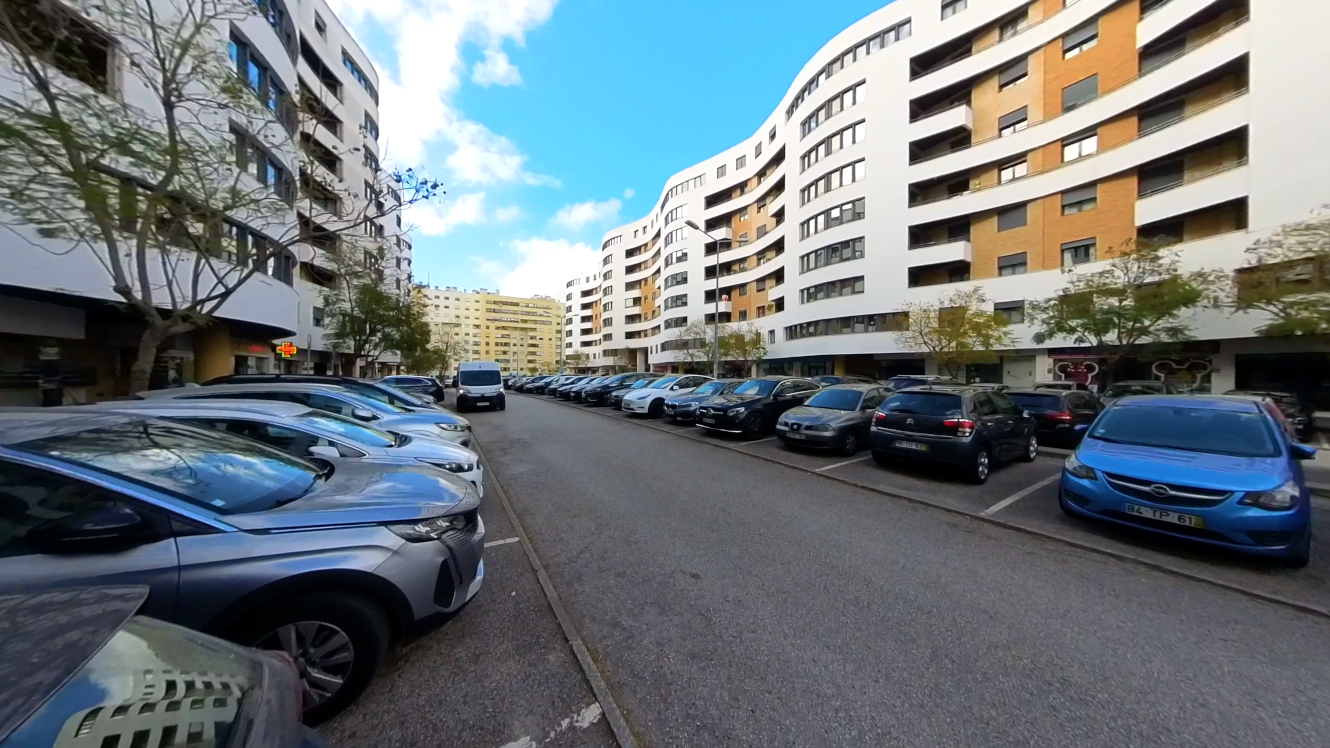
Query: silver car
{"points": [[327, 562], [333, 399], [835, 418], [305, 432]]}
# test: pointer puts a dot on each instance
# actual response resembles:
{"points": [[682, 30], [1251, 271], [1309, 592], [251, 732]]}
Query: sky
{"points": [[549, 122]]}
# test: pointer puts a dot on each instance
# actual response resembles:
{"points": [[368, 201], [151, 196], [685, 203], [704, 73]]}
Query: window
{"points": [[1161, 116], [1080, 92], [1012, 264], [1077, 252], [1013, 26], [676, 214], [1013, 311], [841, 214], [63, 39], [1079, 146], [674, 322], [757, 150], [832, 254], [720, 171], [852, 96], [359, 75], [1160, 177], [889, 322], [848, 174], [832, 289], [743, 315], [607, 274], [771, 136], [1014, 73], [1163, 53], [31, 497], [952, 7], [743, 290], [832, 143], [256, 74], [320, 26], [678, 279], [1014, 170], [1080, 200], [672, 302], [1013, 122], [676, 235], [740, 162], [1080, 39], [1013, 217], [371, 127], [771, 337], [318, 316]]}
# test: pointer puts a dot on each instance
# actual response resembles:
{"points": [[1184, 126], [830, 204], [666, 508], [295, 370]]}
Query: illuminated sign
{"points": [[287, 350]]}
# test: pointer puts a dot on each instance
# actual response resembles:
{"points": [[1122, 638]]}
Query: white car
{"points": [[308, 432], [651, 400]]}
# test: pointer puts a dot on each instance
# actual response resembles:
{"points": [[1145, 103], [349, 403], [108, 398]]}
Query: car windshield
{"points": [[666, 382], [644, 383], [901, 384], [351, 429], [1036, 402], [385, 395], [761, 387], [1222, 432], [615, 379], [212, 469], [710, 388], [925, 404], [478, 377], [1135, 388], [836, 399]]}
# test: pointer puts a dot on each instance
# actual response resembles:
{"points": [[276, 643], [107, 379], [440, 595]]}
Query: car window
{"points": [[983, 406], [30, 497], [710, 388], [1004, 403], [289, 440], [874, 398], [1038, 402], [731, 387], [1135, 388], [803, 385], [925, 403], [784, 388], [1208, 430], [835, 399], [760, 387], [352, 429], [479, 378], [330, 404], [665, 382]]}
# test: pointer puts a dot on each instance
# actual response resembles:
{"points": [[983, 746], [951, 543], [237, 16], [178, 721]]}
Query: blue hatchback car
{"points": [[1218, 470]]}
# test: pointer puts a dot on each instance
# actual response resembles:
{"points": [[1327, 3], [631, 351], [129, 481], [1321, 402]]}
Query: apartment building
{"points": [[940, 145], [582, 323], [520, 334]]}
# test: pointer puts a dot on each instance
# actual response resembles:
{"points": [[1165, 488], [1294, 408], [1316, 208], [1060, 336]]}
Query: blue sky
{"points": [[550, 121]]}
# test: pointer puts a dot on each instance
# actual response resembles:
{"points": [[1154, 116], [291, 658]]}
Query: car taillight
{"points": [[880, 418], [1059, 417], [963, 426]]}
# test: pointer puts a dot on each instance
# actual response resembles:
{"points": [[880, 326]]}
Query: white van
{"points": [[480, 385]]}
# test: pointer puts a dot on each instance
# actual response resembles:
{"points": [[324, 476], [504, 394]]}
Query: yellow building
{"points": [[520, 334]]}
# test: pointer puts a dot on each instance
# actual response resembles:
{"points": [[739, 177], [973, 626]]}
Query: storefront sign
{"points": [[287, 350]]}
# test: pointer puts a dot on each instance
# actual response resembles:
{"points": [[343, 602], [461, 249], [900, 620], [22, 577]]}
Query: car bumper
{"points": [[681, 414], [937, 448], [804, 438], [1227, 525], [721, 423], [441, 576], [637, 406], [476, 478], [481, 401]]}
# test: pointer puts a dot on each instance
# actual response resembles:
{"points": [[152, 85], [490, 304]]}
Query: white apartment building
{"points": [[939, 145]]}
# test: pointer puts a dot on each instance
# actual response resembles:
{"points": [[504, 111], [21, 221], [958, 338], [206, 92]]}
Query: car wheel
{"points": [[656, 409], [1300, 554], [502, 406], [882, 458], [337, 641], [980, 465], [1031, 449], [850, 446], [754, 426]]}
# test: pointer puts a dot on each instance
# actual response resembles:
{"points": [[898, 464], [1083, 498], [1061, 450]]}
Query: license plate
{"points": [[796, 435], [910, 445], [1163, 515], [482, 402], [708, 420]]}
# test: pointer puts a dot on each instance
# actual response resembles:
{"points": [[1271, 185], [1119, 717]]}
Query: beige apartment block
{"points": [[520, 334]]}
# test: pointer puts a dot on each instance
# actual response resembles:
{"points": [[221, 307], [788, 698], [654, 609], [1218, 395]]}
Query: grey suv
{"points": [[327, 560]]}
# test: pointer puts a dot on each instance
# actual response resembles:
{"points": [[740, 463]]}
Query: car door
{"points": [[991, 424], [33, 499], [1016, 426], [868, 409]]}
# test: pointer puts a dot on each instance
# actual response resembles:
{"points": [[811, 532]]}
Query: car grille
{"points": [[1075, 498], [1195, 532], [1172, 494]]}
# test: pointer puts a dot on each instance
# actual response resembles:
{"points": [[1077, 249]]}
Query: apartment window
{"points": [[1014, 25], [841, 214], [318, 316], [852, 96], [1015, 264], [1013, 122], [1080, 39], [893, 321], [1014, 73], [677, 279], [771, 136], [720, 171], [1161, 116], [1080, 92], [62, 38], [1160, 177], [743, 290], [1013, 170], [1163, 53], [952, 7], [607, 274], [1077, 252], [832, 254], [832, 290], [676, 214], [359, 75], [743, 315], [256, 74], [740, 162], [674, 322], [1080, 146], [320, 26], [1080, 200], [1013, 311], [371, 127], [848, 174], [757, 150], [1013, 217], [771, 337], [672, 302]]}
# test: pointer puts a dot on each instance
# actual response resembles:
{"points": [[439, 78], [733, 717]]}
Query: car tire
{"points": [[501, 406], [1301, 553], [656, 409], [980, 466], [754, 426], [360, 619], [1031, 449], [850, 445], [882, 458]]}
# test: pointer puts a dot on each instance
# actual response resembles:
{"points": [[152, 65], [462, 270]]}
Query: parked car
{"points": [[1060, 416], [905, 381], [333, 399], [598, 394], [990, 386], [1119, 390], [327, 560], [1061, 384], [374, 390], [82, 669], [305, 432], [616, 397], [1213, 469], [752, 409], [683, 408], [554, 390], [650, 400], [480, 385], [554, 384], [965, 426], [1298, 413], [529, 385], [421, 387], [574, 393], [838, 417], [829, 380]]}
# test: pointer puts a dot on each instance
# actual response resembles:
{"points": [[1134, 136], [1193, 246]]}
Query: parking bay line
{"points": [[842, 464], [1012, 499], [505, 541]]}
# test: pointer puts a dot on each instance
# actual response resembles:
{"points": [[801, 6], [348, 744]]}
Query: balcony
{"points": [[953, 250], [1195, 191], [955, 117]]}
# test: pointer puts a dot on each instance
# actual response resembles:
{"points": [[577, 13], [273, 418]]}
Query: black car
{"points": [[384, 393], [966, 426], [1298, 414], [574, 392], [990, 386], [428, 386], [555, 389], [905, 381], [543, 387], [831, 380], [836, 418], [532, 385], [1058, 413], [599, 393], [615, 398], [752, 409]]}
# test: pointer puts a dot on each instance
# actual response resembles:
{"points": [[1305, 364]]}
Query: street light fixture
{"points": [[715, 315]]}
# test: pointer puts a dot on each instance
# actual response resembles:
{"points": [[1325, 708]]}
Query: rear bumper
{"points": [[938, 449]]}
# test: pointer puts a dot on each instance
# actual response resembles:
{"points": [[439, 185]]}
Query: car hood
{"points": [[645, 392], [1199, 469], [682, 399], [722, 401], [408, 421], [426, 448], [367, 492], [808, 415]]}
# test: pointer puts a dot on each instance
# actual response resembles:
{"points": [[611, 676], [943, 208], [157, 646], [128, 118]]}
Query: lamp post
{"points": [[715, 315]]}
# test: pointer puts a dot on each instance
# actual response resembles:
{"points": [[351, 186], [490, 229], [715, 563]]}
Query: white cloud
{"points": [[577, 216], [508, 214], [495, 70], [437, 220], [543, 266], [628, 194]]}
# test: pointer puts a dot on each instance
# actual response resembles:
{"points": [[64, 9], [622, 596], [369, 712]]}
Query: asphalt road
{"points": [[730, 601]]}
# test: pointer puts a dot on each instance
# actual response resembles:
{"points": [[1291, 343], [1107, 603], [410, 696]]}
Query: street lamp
{"points": [[715, 315]]}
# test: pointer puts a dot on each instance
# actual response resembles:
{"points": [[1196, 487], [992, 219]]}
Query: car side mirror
{"points": [[324, 451], [104, 524], [1080, 428], [362, 414], [1025, 414], [1303, 451]]}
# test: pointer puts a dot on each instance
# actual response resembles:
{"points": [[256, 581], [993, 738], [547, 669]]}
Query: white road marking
{"points": [[582, 720], [505, 541], [755, 441], [847, 462], [1012, 499]]}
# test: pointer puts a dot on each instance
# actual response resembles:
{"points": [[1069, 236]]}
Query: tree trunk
{"points": [[141, 372]]}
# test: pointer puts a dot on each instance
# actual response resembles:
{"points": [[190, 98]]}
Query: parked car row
{"points": [[321, 519]]}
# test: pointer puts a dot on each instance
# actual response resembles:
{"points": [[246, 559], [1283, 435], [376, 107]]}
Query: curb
{"points": [[1048, 536]]}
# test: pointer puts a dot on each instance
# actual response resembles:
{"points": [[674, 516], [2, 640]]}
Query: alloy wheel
{"points": [[1034, 447], [851, 444], [323, 655], [981, 465]]}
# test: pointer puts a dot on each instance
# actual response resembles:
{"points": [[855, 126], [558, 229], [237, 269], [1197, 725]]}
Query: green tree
{"points": [[694, 344], [1287, 277], [1140, 298], [745, 344], [957, 331], [363, 320]]}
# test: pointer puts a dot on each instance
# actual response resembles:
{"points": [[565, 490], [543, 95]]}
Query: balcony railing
{"points": [[1195, 176], [976, 50]]}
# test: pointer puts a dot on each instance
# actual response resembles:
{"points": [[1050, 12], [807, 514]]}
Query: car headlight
{"points": [[431, 529], [453, 427], [1279, 499], [818, 427], [734, 411], [1079, 469], [451, 466]]}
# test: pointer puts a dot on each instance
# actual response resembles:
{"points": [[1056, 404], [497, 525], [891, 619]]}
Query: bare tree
{"points": [[695, 343], [745, 344], [128, 134], [957, 331], [1288, 278]]}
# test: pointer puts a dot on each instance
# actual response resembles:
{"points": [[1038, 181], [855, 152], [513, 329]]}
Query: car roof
{"points": [[920, 376], [1204, 402], [1038, 391], [25, 424], [955, 389], [251, 387], [274, 408], [857, 386]]}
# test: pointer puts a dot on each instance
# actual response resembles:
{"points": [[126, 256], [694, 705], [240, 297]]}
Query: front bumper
{"points": [[474, 401], [805, 438], [939, 448], [720, 422], [476, 478], [1227, 525], [681, 412], [637, 406], [439, 577]]}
